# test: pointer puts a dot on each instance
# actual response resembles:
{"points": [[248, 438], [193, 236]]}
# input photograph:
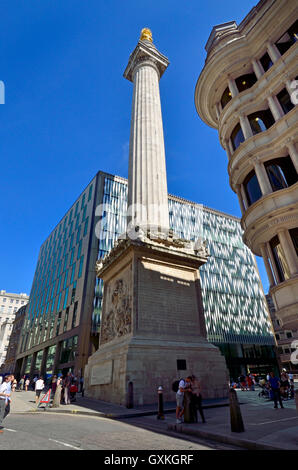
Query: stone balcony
{"points": [[265, 143], [262, 219], [285, 299]]}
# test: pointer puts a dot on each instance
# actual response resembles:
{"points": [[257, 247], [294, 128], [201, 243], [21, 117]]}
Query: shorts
{"points": [[38, 392], [179, 400]]}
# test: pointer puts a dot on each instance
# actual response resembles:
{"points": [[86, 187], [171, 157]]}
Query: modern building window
{"points": [[226, 97], [83, 201], [58, 322], [81, 267], [66, 319], [285, 101], [73, 273], [73, 293], [79, 249], [294, 236], [237, 136], [266, 61], [245, 81], [252, 188], [86, 226], [90, 192], [68, 349], [260, 121], [288, 38], [281, 173], [74, 315], [279, 259], [65, 298]]}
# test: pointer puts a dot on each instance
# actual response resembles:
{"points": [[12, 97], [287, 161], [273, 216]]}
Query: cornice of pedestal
{"points": [[159, 242], [145, 50]]}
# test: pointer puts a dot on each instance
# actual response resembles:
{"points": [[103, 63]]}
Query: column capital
{"points": [[145, 51]]}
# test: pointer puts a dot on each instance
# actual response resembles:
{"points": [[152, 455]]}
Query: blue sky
{"points": [[67, 110]]}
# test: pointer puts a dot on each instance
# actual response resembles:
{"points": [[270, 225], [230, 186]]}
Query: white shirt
{"points": [[182, 385], [4, 388], [39, 384]]}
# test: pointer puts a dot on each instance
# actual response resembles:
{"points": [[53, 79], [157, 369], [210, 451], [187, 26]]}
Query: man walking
{"points": [[275, 387], [5, 392]]}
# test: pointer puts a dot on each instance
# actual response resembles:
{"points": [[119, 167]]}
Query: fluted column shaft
{"points": [[147, 168]]}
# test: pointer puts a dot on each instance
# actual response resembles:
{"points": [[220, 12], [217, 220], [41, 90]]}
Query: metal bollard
{"points": [[160, 414], [235, 413], [130, 395]]}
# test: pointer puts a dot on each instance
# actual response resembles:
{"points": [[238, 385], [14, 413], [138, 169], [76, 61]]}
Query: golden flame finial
{"points": [[146, 35]]}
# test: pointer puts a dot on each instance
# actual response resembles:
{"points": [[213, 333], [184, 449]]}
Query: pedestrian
{"points": [[34, 380], [196, 390], [39, 386], [14, 384], [27, 382], [1, 379], [180, 401], [275, 388], [5, 392], [291, 380], [82, 385], [53, 385], [284, 384], [57, 397], [243, 384], [21, 383], [66, 387]]}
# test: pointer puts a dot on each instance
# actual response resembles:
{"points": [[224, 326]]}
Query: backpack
{"points": [[175, 385]]}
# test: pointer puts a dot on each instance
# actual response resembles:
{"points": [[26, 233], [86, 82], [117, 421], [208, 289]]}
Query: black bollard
{"points": [[235, 413], [130, 395], [296, 399], [160, 414]]}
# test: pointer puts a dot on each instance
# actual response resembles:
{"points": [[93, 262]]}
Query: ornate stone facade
{"points": [[248, 91]]}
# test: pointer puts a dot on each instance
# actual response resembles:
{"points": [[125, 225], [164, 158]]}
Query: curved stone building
{"points": [[247, 90]]}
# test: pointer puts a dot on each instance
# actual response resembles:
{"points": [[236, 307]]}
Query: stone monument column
{"points": [[152, 326], [147, 188]]}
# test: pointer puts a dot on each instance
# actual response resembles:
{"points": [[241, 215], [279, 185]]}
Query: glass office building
{"points": [[63, 317]]}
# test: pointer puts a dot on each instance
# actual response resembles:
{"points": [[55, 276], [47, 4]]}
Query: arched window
{"points": [[288, 38], [237, 136], [294, 235], [285, 100], [252, 188], [245, 81], [279, 259], [266, 61], [281, 173], [260, 121], [226, 97]]}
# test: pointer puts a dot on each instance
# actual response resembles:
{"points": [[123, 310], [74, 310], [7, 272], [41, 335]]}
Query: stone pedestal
{"points": [[152, 318]]}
